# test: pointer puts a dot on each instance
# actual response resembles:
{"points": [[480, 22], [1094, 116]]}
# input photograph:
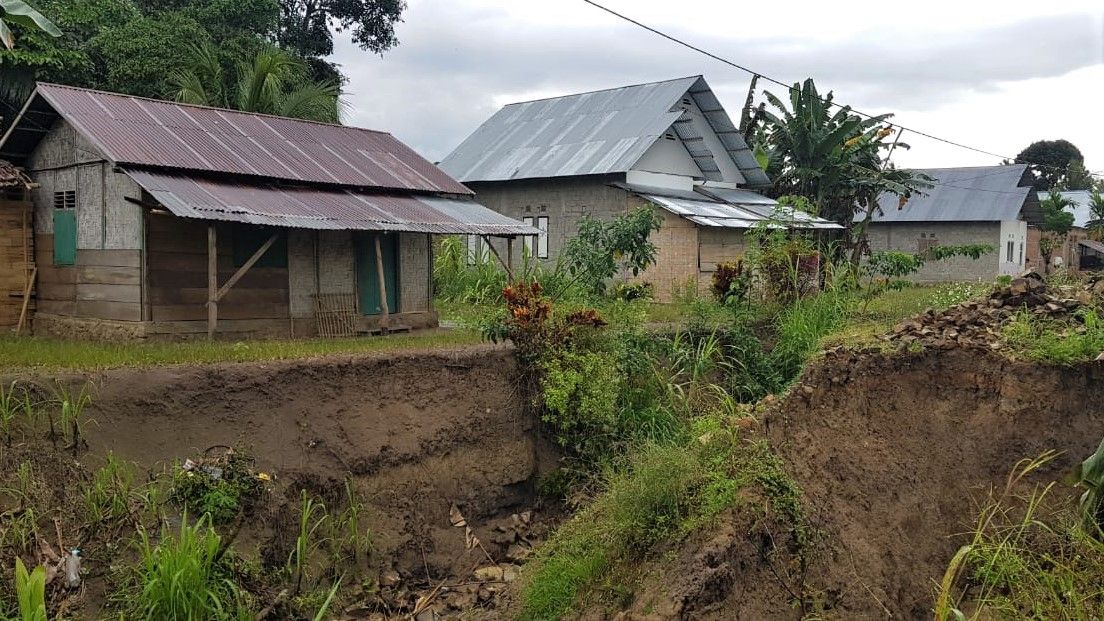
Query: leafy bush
{"points": [[629, 291], [1089, 474], [788, 263], [731, 282], [30, 590], [600, 249]]}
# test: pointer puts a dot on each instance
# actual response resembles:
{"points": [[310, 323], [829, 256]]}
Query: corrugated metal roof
{"points": [[148, 132], [718, 211], [591, 133], [195, 196], [1093, 245], [1082, 210], [970, 194]]}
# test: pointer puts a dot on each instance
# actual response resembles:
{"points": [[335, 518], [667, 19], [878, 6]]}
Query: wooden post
{"points": [[510, 256], [212, 281], [245, 268], [509, 271], [385, 313], [26, 300]]}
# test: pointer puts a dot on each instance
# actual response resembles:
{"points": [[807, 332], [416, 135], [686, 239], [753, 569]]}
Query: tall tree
{"points": [[831, 156], [1056, 225], [1049, 161], [307, 27], [1077, 177], [274, 83]]}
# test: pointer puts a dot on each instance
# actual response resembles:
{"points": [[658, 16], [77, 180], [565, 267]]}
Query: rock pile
{"points": [[977, 323]]}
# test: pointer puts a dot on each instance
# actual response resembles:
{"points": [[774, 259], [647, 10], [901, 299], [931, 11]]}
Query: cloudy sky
{"points": [[993, 75]]}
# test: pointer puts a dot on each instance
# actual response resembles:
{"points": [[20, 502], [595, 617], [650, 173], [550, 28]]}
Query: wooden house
{"points": [[154, 219], [16, 247]]}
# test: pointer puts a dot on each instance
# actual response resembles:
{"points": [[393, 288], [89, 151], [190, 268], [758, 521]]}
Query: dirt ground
{"points": [[416, 434]]}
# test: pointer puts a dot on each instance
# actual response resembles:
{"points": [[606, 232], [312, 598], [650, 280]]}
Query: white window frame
{"points": [[477, 249], [542, 239], [1011, 247]]}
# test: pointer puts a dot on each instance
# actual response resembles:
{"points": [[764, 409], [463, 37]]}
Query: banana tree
{"points": [[18, 12]]}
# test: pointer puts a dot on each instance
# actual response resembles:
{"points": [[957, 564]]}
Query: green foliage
{"points": [[30, 590], [629, 291], [581, 400], [19, 12], [274, 82], [1096, 209], [892, 264], [831, 157], [1089, 474], [1049, 161], [110, 494], [1063, 342], [731, 283], [71, 412], [307, 28], [801, 328], [600, 249], [1057, 218], [218, 489], [184, 577], [788, 263]]}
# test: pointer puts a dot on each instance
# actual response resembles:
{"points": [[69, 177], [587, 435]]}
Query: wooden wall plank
{"points": [[109, 293], [119, 311], [53, 291], [109, 258], [198, 312], [109, 275]]}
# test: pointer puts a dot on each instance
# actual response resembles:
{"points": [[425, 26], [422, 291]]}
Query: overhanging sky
{"points": [[995, 75]]}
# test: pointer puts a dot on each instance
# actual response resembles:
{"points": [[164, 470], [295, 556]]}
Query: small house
{"points": [[1076, 249], [159, 219], [670, 146], [989, 205]]}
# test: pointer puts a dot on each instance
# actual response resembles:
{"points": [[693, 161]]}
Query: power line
{"points": [[790, 87]]}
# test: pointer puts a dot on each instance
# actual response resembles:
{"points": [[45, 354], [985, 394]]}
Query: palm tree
{"points": [[1096, 211], [274, 83], [18, 12]]}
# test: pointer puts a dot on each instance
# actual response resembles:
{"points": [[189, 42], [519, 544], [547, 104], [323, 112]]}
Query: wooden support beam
{"points": [[510, 256], [509, 270], [26, 300], [385, 313], [212, 281], [245, 268]]}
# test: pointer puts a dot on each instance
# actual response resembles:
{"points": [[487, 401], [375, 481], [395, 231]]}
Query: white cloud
{"points": [[993, 75]]}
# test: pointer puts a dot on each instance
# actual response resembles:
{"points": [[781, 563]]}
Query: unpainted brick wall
{"points": [[905, 237]]}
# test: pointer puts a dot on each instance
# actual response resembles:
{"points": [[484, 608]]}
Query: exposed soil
{"points": [[416, 434]]}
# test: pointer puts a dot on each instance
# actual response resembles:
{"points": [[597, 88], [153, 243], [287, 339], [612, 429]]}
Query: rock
{"points": [[488, 574], [1020, 286], [389, 578], [426, 615], [1098, 288], [517, 553]]}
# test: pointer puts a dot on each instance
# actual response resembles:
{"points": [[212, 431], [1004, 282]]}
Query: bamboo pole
{"points": [[212, 281], [385, 313], [26, 300], [510, 256]]}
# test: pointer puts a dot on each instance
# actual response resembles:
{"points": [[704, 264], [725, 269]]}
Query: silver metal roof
{"points": [[311, 207], [969, 194], [747, 210], [594, 133], [1082, 212]]}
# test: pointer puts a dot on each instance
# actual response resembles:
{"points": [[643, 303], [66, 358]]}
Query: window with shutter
{"points": [[65, 227], [542, 239]]}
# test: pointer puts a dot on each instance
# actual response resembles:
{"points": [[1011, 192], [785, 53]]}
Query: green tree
{"points": [[19, 12], [1057, 222], [1049, 161], [601, 249], [1077, 177], [831, 156], [307, 27], [1096, 212], [274, 83]]}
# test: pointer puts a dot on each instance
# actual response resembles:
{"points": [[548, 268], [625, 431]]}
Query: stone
{"points": [[518, 553], [389, 578], [488, 574]]}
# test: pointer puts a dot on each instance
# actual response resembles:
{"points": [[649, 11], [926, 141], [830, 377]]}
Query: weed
{"points": [[71, 414], [312, 516], [10, 406], [184, 578], [1062, 342], [221, 488], [110, 494]]}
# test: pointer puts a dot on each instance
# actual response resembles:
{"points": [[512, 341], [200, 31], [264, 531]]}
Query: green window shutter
{"points": [[65, 228]]}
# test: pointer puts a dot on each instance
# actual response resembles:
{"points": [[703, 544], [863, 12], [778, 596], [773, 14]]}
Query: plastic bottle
{"points": [[71, 565]]}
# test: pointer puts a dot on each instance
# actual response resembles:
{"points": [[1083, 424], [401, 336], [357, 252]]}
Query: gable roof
{"points": [[152, 133], [593, 133], [964, 194], [1082, 199]]}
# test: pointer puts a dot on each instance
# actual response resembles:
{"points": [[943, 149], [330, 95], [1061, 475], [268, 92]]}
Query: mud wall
{"points": [[894, 453]]}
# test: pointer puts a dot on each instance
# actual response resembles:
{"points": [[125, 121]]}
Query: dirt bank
{"points": [[893, 453], [415, 433]]}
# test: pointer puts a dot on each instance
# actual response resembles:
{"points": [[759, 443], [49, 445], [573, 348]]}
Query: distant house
{"points": [[16, 244], [1077, 250], [669, 145], [161, 219], [990, 205]]}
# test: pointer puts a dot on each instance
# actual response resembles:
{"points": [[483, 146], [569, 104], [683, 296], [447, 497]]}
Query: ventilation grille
{"points": [[65, 200]]}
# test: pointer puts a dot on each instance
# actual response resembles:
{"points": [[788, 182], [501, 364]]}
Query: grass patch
{"points": [[1056, 341], [663, 492], [42, 353]]}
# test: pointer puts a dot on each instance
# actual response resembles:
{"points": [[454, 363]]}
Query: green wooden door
{"points": [[65, 237], [368, 274]]}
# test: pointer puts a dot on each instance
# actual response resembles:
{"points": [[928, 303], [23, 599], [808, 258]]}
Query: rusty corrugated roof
{"points": [[195, 196], [149, 132]]}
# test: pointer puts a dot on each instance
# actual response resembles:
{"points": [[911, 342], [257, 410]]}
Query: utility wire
{"points": [[791, 88]]}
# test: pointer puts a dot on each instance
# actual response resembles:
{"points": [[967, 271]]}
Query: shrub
{"points": [[184, 577], [599, 249], [220, 488], [581, 392], [1062, 342], [731, 282], [629, 291]]}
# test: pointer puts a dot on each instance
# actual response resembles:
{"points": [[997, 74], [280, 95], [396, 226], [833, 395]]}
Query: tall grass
{"points": [[1057, 341], [183, 578], [802, 326]]}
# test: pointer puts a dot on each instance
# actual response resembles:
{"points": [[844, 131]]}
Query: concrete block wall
{"points": [[905, 237], [676, 263]]}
